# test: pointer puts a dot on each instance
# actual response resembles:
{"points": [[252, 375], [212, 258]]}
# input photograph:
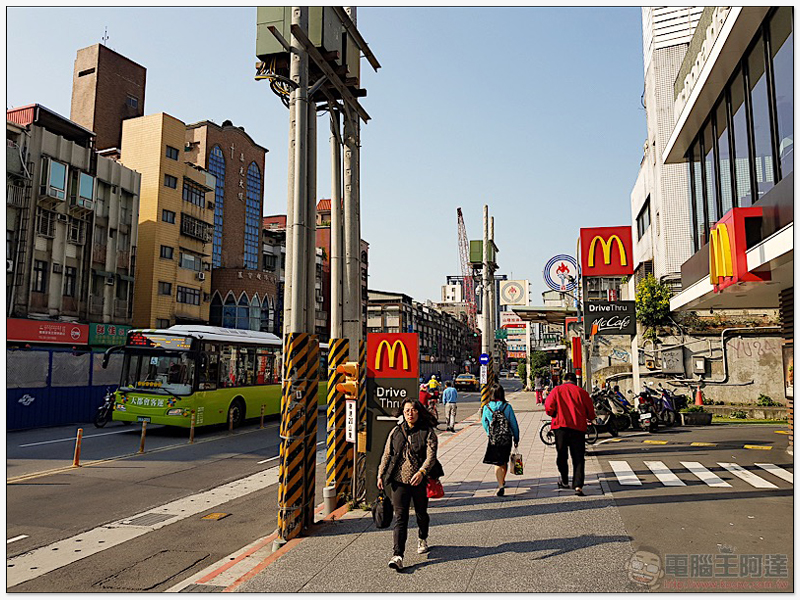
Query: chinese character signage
{"points": [[47, 332], [606, 251], [107, 334]]}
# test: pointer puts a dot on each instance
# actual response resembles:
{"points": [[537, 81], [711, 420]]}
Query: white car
{"points": [[504, 374]]}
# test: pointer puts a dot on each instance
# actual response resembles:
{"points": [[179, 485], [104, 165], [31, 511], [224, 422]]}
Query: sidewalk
{"points": [[535, 539]]}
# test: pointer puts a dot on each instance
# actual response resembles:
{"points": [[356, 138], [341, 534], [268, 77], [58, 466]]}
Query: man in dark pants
{"points": [[571, 408]]}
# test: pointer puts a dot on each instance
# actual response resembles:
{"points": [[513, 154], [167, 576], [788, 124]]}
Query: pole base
{"points": [[278, 543]]}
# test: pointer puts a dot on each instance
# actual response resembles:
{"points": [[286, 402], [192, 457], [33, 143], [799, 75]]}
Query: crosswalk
{"points": [[625, 474]]}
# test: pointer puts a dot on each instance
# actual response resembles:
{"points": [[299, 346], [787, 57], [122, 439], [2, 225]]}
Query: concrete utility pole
{"points": [[311, 217], [486, 320], [492, 290], [336, 226]]}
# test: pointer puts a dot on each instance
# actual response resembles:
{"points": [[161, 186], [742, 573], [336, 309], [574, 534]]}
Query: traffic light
{"points": [[350, 387]]}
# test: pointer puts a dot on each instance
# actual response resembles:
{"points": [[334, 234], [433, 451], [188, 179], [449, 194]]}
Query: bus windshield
{"points": [[158, 371]]}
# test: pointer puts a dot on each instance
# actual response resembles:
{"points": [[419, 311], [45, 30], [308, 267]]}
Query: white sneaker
{"points": [[396, 563], [422, 547]]}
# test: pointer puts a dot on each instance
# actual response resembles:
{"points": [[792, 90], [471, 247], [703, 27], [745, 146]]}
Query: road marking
{"points": [[16, 539], [702, 444], [664, 475], [783, 432], [661, 442], [624, 474], [65, 552], [777, 471], [747, 476], [705, 475], [266, 460], [72, 439], [752, 447]]}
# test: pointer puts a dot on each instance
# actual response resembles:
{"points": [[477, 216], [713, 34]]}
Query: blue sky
{"points": [[533, 111]]}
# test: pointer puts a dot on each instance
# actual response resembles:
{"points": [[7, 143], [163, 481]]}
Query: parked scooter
{"points": [[104, 411], [647, 411], [611, 414]]}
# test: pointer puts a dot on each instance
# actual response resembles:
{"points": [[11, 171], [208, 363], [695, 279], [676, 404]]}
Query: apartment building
{"points": [[71, 231], [176, 213]]}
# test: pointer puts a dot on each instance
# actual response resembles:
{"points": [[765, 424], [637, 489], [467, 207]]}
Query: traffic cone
{"points": [[698, 397]]}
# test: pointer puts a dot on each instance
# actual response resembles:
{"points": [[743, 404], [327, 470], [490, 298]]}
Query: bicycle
{"points": [[549, 438]]}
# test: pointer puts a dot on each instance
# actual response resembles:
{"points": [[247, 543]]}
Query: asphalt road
{"points": [[697, 518]]}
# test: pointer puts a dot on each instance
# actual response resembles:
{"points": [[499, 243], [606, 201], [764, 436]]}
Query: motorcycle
{"points": [[665, 410], [104, 411], [612, 416], [647, 411]]}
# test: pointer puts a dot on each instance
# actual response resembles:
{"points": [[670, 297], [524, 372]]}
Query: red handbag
{"points": [[434, 488]]}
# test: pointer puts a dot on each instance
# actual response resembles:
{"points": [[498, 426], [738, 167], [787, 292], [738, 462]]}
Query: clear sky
{"points": [[533, 111]]}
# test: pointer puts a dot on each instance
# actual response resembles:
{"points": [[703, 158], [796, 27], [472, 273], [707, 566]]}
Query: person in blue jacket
{"points": [[500, 424]]}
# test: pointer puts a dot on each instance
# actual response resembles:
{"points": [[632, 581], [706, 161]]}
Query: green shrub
{"points": [[693, 409], [738, 414], [764, 400]]}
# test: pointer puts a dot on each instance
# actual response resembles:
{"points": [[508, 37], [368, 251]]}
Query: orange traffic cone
{"points": [[698, 397]]}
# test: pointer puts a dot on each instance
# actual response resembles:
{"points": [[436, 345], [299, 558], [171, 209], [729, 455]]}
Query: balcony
{"points": [[15, 196]]}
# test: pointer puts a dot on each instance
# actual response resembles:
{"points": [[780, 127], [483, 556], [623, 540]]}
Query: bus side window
{"points": [[227, 367], [209, 369], [263, 367]]}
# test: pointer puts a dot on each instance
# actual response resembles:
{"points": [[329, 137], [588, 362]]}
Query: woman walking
{"points": [[409, 454], [500, 423], [538, 386]]}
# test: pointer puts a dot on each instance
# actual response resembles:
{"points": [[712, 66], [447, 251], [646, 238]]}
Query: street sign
{"points": [[484, 374], [350, 421], [484, 359], [500, 334]]}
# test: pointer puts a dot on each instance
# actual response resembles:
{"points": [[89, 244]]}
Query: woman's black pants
{"points": [[402, 495]]}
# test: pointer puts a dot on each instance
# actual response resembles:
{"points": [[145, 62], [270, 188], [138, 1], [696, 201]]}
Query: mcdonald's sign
{"points": [[392, 355], [606, 251], [727, 248]]}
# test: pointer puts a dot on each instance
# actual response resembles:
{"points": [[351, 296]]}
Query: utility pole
{"points": [[487, 339], [336, 225]]}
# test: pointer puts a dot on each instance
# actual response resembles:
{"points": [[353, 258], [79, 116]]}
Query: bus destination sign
{"points": [[142, 339]]}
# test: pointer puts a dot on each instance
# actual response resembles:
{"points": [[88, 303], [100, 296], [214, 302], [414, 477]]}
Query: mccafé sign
{"points": [[606, 251], [727, 248], [393, 355]]}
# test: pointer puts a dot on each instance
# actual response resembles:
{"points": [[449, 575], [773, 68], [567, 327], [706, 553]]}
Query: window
{"points": [[269, 262], [252, 217], [187, 295], [172, 153], [46, 223], [162, 323], [167, 252], [741, 145], [643, 220], [54, 179], [216, 166], [171, 182], [70, 281], [39, 276], [165, 288], [710, 174], [132, 101], [86, 187], [86, 72], [168, 216], [190, 261], [723, 149], [193, 193], [196, 228], [781, 44], [762, 140], [76, 232]]}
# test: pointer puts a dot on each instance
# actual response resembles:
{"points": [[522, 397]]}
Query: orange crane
{"points": [[466, 273]]}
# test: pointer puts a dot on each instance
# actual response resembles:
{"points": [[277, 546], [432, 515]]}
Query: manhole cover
{"points": [[148, 519]]}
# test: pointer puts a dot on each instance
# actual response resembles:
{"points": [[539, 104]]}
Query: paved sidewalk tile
{"points": [[539, 538]]}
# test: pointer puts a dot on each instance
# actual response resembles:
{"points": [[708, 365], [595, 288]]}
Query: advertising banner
{"points": [[606, 251], [611, 318], [47, 332], [561, 273], [514, 293], [106, 334]]}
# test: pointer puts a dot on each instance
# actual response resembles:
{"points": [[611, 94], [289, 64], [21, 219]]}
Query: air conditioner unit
{"points": [[62, 217], [110, 280], [201, 276], [57, 268]]}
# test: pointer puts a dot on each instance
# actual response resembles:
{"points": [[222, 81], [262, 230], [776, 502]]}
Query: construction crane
{"points": [[466, 273]]}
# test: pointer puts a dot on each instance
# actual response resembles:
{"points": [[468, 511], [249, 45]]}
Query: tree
{"points": [[539, 364], [652, 306]]}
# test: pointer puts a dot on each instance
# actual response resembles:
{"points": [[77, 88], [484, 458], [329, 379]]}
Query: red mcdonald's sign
{"points": [[606, 251], [393, 355], [727, 249]]}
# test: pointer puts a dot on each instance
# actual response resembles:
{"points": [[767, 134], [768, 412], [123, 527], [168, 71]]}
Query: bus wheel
{"points": [[238, 409]]}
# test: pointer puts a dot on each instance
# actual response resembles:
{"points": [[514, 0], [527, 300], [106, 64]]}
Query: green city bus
{"points": [[216, 372]]}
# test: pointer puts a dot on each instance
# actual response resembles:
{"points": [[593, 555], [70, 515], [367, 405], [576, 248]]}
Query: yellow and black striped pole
{"points": [[297, 370], [338, 471], [486, 389], [360, 491], [312, 415]]}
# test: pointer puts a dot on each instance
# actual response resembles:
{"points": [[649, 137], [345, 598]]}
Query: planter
{"points": [[695, 418]]}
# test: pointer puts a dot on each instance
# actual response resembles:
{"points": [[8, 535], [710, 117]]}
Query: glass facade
{"points": [[746, 144], [216, 166], [252, 217]]}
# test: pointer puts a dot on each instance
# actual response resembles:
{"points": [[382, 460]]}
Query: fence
{"points": [[45, 388]]}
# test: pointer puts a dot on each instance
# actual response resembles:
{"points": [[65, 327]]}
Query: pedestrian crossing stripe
{"points": [[661, 442], [752, 447], [702, 444], [626, 476]]}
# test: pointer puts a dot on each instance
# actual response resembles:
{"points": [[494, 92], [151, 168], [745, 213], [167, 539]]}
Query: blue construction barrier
{"points": [[47, 387]]}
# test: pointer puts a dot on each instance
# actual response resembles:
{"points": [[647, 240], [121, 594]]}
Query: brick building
{"points": [[107, 88], [243, 293]]}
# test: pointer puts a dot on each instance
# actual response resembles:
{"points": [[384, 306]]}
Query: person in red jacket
{"points": [[571, 408]]}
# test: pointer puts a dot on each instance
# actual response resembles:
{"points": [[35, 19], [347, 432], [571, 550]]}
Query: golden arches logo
{"points": [[720, 260], [392, 350], [606, 245]]}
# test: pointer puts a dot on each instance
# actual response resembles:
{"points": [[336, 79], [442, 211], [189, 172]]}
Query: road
{"points": [[63, 510]]}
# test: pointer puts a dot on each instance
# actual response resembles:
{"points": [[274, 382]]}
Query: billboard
{"points": [[727, 249], [606, 251], [610, 318], [514, 293], [48, 332], [559, 270]]}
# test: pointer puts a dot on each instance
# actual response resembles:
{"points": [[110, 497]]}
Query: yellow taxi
{"points": [[467, 381]]}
